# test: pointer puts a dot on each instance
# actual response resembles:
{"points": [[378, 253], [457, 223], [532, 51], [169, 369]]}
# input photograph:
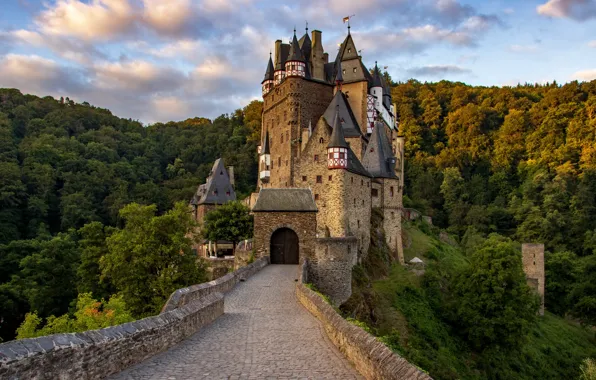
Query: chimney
{"points": [[277, 53], [231, 175], [317, 56]]}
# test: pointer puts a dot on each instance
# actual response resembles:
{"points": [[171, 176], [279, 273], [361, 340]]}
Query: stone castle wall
{"points": [[357, 93], [533, 264], [330, 269], [287, 111], [357, 206]]}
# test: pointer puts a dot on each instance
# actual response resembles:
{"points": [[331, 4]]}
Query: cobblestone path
{"points": [[264, 334]]}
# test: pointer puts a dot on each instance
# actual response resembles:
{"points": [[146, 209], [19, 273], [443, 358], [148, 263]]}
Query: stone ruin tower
{"points": [[533, 263], [330, 153]]}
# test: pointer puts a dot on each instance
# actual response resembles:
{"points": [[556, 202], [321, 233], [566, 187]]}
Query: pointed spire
{"points": [[337, 139], [378, 158], [270, 70], [295, 51], [266, 143], [377, 81]]}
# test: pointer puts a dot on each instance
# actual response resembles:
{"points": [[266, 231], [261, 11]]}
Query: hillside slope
{"points": [[401, 306]]}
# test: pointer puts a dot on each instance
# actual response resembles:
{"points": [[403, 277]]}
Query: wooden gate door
{"points": [[284, 247]]}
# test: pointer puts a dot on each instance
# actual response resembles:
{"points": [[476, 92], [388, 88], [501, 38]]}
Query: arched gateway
{"points": [[284, 247]]}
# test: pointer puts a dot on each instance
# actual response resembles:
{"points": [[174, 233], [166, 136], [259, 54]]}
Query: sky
{"points": [[162, 60]]}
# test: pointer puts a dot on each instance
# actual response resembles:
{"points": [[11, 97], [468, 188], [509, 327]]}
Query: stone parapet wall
{"points": [[330, 270], [223, 284], [371, 358], [97, 354]]}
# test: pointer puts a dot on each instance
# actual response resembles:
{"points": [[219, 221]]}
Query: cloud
{"points": [[95, 21], [509, 11], [579, 10], [438, 70], [524, 48], [592, 44], [584, 75], [35, 74], [137, 76]]}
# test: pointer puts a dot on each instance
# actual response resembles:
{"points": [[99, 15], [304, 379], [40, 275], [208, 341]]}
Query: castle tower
{"points": [[267, 83], [295, 64], [281, 53], [265, 161], [380, 162], [337, 149], [533, 263]]}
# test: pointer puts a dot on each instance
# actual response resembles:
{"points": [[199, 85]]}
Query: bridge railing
{"points": [[96, 354]]}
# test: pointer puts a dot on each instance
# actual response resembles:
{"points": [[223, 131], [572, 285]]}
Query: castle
{"points": [[330, 154]]}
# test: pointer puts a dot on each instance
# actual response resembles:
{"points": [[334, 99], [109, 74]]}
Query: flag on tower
{"points": [[346, 19]]}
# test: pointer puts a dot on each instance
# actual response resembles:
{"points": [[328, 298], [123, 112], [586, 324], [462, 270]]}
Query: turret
{"points": [[377, 87], [265, 160], [280, 68], [295, 64], [337, 150], [267, 83]]}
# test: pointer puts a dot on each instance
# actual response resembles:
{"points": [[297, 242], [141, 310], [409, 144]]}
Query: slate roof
{"points": [[282, 55], [377, 79], [378, 158], [270, 70], [355, 166], [338, 73], [306, 46], [337, 139], [217, 189], [295, 53], [289, 200], [347, 118]]}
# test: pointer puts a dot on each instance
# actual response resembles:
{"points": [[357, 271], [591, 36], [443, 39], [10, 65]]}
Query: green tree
{"points": [[89, 315], [231, 221], [93, 247], [151, 257], [494, 305], [561, 272]]}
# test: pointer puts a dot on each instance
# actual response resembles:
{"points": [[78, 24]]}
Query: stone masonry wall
{"points": [[533, 263], [287, 111], [392, 214], [97, 354], [371, 358], [304, 224], [357, 205], [330, 270]]}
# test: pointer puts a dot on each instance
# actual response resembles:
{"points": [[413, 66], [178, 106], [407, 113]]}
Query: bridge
{"points": [[258, 322], [264, 333]]}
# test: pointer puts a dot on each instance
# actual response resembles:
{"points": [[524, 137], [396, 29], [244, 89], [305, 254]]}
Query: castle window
{"points": [[391, 191], [330, 178], [321, 140], [389, 239], [282, 138], [319, 179], [367, 184], [352, 179], [286, 162], [361, 182], [267, 167], [354, 70], [228, 193], [303, 178], [287, 136], [316, 158], [392, 215], [354, 201], [343, 71], [363, 202], [278, 161], [374, 192], [358, 223], [316, 197], [349, 50], [372, 150]]}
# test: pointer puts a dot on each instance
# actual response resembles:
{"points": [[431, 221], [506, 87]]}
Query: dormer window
{"points": [[354, 69], [349, 50]]}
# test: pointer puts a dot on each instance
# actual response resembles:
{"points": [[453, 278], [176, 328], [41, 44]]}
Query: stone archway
{"points": [[284, 247]]}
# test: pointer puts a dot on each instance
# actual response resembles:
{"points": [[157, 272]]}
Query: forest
{"points": [[76, 182]]}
